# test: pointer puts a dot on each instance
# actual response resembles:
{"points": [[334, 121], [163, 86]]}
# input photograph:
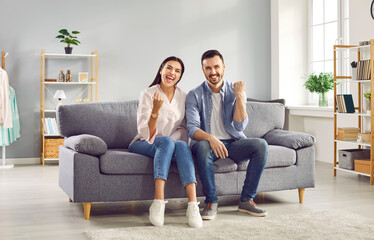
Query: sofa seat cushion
{"points": [[120, 161], [278, 156], [224, 165]]}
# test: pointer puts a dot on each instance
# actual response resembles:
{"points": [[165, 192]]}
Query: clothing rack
{"points": [[3, 164]]}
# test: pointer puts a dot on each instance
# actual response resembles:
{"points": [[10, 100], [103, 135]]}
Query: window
{"points": [[328, 25]]}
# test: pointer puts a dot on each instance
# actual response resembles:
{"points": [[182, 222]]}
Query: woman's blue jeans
{"points": [[255, 149], [163, 151]]}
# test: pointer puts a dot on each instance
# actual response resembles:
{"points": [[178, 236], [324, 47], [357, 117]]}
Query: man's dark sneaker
{"points": [[250, 207], [210, 211]]}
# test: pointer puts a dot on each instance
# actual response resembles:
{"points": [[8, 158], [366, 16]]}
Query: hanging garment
{"points": [[5, 108], [9, 135]]}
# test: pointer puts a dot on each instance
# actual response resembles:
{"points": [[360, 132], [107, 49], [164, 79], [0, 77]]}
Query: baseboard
{"points": [[22, 161]]}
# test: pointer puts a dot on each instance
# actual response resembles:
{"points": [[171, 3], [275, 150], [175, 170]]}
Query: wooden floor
{"points": [[32, 206]]}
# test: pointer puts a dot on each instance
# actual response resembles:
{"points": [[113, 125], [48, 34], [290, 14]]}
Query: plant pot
{"points": [[323, 100], [68, 50]]}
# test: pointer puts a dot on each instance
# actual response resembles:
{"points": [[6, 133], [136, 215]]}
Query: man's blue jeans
{"points": [[163, 151], [255, 149]]}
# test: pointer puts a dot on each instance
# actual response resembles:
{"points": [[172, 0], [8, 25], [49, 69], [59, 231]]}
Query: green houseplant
{"points": [[320, 84], [68, 38]]}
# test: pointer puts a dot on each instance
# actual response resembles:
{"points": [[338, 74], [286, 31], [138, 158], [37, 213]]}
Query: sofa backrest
{"points": [[263, 117], [114, 122]]}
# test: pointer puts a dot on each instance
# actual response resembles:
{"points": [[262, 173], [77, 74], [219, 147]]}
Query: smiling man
{"points": [[216, 117]]}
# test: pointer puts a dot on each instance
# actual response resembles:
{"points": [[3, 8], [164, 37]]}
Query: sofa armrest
{"points": [[289, 139], [87, 144]]}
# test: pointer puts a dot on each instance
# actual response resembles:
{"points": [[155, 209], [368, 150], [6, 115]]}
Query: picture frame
{"points": [[83, 77]]}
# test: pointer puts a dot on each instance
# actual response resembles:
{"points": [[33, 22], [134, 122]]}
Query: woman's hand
{"points": [[157, 102]]}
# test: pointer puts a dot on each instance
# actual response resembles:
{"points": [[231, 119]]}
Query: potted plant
{"points": [[320, 84], [68, 38], [367, 95]]}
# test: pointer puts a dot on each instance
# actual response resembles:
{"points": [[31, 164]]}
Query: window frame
{"points": [[342, 38]]}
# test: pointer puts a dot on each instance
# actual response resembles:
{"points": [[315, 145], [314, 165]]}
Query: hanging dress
{"points": [[5, 108], [9, 135]]}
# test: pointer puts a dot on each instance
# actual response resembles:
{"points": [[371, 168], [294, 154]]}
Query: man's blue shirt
{"points": [[199, 107]]}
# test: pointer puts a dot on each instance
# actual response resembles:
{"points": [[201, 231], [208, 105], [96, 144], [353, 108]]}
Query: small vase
{"points": [[68, 75], [323, 100], [61, 76], [68, 50], [368, 105]]}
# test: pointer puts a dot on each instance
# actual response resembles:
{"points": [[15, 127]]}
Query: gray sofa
{"points": [[95, 165]]}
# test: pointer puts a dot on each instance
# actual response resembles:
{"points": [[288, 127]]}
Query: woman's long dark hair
{"points": [[158, 75]]}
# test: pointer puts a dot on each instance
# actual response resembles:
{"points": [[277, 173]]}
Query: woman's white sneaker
{"points": [[193, 215], [157, 212]]}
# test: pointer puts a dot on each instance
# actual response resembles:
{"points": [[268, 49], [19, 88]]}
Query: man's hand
{"points": [[239, 88], [218, 147], [157, 102]]}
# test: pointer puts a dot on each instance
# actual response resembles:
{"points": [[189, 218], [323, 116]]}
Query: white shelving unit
{"points": [[49, 143], [70, 83], [359, 114]]}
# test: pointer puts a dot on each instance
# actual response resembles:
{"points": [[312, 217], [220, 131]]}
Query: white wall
{"points": [[132, 38], [361, 25], [289, 50]]}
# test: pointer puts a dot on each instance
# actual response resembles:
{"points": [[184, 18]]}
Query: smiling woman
{"points": [[162, 135]]}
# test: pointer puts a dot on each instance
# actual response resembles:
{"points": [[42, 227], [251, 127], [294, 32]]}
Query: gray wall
{"points": [[132, 38]]}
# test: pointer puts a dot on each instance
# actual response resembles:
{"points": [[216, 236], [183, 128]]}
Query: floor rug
{"points": [[315, 225]]}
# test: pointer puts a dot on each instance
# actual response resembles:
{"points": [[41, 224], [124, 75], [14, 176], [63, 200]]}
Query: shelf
{"points": [[354, 114], [352, 48], [351, 171], [61, 55], [51, 159], [90, 92], [69, 83], [354, 142], [53, 135], [364, 120], [353, 80]]}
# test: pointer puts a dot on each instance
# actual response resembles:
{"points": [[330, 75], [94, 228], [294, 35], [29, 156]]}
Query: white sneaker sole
{"points": [[253, 214], [209, 217], [155, 223], [196, 225]]}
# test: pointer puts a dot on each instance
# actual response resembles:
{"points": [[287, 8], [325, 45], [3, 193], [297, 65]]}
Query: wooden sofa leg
{"points": [[301, 195], [70, 200], [87, 210]]}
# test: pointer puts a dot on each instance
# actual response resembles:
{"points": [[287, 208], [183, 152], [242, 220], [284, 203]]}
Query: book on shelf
{"points": [[50, 126], [364, 70], [345, 103]]}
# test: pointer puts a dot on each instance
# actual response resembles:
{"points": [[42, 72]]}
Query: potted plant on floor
{"points": [[68, 38], [320, 84]]}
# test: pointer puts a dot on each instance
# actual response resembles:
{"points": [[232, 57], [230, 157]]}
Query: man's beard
{"points": [[216, 81]]}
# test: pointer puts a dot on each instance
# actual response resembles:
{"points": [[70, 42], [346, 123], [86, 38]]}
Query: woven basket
{"points": [[51, 146]]}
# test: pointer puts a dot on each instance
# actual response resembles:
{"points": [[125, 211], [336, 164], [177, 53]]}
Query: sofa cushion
{"points": [[278, 156], [114, 122], [224, 165], [120, 161], [280, 100], [263, 117], [289, 139], [87, 144]]}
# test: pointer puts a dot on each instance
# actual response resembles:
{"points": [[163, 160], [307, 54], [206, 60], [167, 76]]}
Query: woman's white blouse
{"points": [[171, 118]]}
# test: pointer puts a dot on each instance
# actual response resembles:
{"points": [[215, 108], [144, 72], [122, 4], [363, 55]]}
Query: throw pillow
{"points": [[87, 144]]}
